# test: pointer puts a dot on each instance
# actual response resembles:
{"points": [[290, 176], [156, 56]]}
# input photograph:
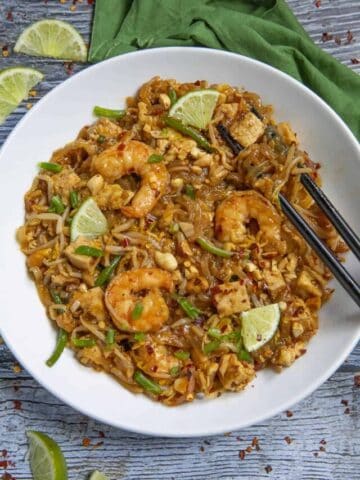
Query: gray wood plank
{"points": [[129, 456]]}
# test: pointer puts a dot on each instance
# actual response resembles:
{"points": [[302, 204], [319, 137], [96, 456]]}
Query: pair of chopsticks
{"points": [[324, 252]]}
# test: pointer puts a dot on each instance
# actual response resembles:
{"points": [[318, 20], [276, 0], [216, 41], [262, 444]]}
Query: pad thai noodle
{"points": [[150, 241]]}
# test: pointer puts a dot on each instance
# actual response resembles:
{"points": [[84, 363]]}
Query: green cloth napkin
{"points": [[263, 29]]}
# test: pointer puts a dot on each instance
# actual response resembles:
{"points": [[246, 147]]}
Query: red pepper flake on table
{"points": [[86, 442], [289, 413], [355, 61], [5, 51], [317, 3], [357, 377], [349, 37], [17, 404], [345, 402], [9, 16], [347, 411], [288, 440], [268, 468], [325, 37], [323, 442], [69, 67], [241, 454]]}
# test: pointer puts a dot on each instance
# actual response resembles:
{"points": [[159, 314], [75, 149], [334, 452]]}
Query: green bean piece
{"points": [[146, 383], [190, 309], [107, 272], [190, 191], [51, 167], [59, 348], [211, 346], [88, 251], [139, 336], [245, 356], [154, 158], [56, 205], [74, 199], [174, 371], [189, 131], [55, 297], [182, 355], [83, 342], [172, 95], [109, 113], [214, 332], [138, 309], [211, 248]]}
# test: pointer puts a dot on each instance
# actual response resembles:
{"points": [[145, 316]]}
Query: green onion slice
{"points": [[107, 272], [154, 158], [51, 167], [83, 342], [109, 113], [146, 383], [211, 248], [59, 348], [138, 309], [190, 309]]}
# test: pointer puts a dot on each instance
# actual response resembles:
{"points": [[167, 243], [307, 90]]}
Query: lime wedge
{"points": [[52, 38], [98, 476], [15, 84], [259, 325], [89, 221], [46, 459], [195, 108]]}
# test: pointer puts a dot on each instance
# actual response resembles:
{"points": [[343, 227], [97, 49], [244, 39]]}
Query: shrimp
{"points": [[135, 302], [238, 209], [132, 157]]}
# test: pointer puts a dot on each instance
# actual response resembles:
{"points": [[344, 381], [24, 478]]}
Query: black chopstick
{"points": [[343, 228], [324, 253]]}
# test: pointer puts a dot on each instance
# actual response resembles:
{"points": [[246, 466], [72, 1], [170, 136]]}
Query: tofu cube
{"points": [[248, 130], [231, 298]]}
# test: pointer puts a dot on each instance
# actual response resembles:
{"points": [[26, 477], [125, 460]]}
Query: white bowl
{"points": [[56, 120]]}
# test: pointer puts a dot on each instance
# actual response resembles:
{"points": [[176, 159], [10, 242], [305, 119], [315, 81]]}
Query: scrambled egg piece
{"points": [[234, 374]]}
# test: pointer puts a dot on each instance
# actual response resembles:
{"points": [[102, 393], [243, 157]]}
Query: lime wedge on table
{"points": [[195, 108], [15, 84], [52, 38], [89, 221], [258, 326], [46, 459], [98, 476]]}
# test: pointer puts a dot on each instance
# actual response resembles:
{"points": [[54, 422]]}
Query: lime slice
{"points": [[52, 38], [89, 221], [98, 476], [259, 326], [46, 459], [195, 108], [15, 84]]}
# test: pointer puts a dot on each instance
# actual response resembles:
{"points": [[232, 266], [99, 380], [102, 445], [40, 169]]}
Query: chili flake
{"points": [[345, 402], [323, 442], [317, 3], [347, 411], [17, 404], [325, 37], [86, 442], [101, 434], [357, 377], [289, 413], [268, 468], [288, 440], [9, 16], [355, 61], [242, 454]]}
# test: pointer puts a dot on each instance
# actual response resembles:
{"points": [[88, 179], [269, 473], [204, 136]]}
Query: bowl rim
{"points": [[237, 425]]}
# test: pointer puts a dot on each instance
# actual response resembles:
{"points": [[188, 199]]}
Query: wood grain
{"points": [[324, 415]]}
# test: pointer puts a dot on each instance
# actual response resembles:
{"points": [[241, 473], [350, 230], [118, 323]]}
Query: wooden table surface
{"points": [[319, 441]]}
